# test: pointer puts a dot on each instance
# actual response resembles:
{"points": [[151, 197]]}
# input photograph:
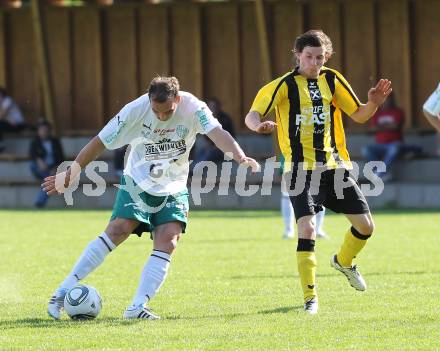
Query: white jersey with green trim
{"points": [[158, 159], [432, 105]]}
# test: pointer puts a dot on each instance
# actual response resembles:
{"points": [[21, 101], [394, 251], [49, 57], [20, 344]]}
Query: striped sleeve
{"points": [[344, 96], [270, 96]]}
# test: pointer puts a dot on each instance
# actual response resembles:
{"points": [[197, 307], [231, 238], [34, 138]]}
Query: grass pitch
{"points": [[233, 285]]}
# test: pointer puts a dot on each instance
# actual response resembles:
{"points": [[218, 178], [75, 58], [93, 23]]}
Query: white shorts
{"points": [[432, 105]]}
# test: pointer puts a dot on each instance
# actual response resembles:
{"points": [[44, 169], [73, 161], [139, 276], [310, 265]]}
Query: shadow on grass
{"points": [[282, 310], [64, 323], [402, 273], [228, 316], [284, 276], [276, 276], [218, 240], [237, 315], [37, 323]]}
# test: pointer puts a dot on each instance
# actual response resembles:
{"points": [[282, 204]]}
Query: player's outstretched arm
{"points": [[376, 96], [253, 122], [59, 182], [225, 142]]}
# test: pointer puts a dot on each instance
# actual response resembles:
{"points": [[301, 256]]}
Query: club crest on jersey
{"points": [[315, 94], [181, 131]]}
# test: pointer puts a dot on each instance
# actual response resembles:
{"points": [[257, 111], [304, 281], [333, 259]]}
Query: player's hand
{"points": [[380, 92], [250, 162], [266, 127], [58, 183]]}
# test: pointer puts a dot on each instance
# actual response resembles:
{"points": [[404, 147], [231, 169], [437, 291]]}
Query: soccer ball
{"points": [[82, 302]]}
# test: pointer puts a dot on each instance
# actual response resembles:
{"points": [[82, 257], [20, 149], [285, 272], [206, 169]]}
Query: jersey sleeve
{"points": [[432, 104], [205, 120], [116, 133], [344, 97], [269, 96]]}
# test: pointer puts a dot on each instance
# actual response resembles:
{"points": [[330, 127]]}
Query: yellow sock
{"points": [[307, 268], [352, 245]]}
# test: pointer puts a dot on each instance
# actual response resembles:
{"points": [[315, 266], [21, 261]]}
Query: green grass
{"points": [[233, 285]]}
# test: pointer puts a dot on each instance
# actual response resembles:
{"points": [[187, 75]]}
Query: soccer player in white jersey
{"points": [[431, 109], [161, 127]]}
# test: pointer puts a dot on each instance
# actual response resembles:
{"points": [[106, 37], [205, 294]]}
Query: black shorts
{"points": [[335, 189]]}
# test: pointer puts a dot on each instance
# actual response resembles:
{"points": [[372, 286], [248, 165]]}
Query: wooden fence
{"points": [[102, 57]]}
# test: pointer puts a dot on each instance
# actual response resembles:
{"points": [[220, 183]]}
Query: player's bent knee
{"points": [[120, 228], [166, 236], [166, 244], [308, 232], [306, 228], [366, 227]]}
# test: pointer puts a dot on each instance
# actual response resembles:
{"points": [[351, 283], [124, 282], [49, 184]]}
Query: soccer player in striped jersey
{"points": [[308, 104]]}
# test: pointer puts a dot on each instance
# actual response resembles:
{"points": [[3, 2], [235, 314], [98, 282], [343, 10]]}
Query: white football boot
{"points": [[56, 304], [354, 277], [140, 312], [311, 306]]}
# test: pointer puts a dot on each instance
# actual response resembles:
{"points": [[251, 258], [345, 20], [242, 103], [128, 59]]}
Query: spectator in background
{"points": [[46, 154], [207, 151], [11, 118], [387, 126]]}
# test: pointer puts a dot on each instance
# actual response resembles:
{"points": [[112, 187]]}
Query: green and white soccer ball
{"points": [[82, 302]]}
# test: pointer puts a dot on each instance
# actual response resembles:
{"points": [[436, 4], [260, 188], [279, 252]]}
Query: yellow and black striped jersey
{"points": [[308, 117]]}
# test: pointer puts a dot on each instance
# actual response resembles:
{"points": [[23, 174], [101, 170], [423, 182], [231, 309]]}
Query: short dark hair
{"points": [[162, 89], [214, 100], [314, 38], [44, 123]]}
